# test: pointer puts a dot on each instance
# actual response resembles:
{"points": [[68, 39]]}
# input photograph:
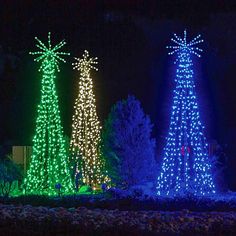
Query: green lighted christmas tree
{"points": [[49, 162], [86, 127]]}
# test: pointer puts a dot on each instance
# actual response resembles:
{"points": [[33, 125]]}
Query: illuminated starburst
{"points": [[49, 53], [85, 64], [183, 45]]}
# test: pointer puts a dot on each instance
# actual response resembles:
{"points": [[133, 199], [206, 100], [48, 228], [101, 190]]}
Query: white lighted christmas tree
{"points": [[186, 168], [49, 163], [86, 127]]}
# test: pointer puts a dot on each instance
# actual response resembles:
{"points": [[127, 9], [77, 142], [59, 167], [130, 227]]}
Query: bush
{"points": [[128, 200], [9, 173], [127, 145]]}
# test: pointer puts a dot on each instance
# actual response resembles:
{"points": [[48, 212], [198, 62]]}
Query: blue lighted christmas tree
{"points": [[186, 168]]}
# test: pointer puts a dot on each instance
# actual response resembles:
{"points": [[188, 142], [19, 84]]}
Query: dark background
{"points": [[129, 38]]}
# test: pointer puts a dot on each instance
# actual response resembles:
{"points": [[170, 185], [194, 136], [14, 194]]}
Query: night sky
{"points": [[129, 39]]}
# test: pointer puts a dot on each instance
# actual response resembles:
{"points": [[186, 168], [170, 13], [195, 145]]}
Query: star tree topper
{"points": [[49, 53], [85, 64], [183, 45]]}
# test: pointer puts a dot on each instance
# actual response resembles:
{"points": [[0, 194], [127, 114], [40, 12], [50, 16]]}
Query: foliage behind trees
{"points": [[9, 172]]}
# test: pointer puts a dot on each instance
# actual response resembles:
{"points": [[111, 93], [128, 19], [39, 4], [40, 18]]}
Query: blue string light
{"points": [[185, 168]]}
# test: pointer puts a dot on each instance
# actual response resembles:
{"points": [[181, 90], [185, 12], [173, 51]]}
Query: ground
{"points": [[29, 220], [120, 215]]}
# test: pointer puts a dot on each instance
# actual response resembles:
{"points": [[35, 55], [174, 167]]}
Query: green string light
{"points": [[49, 161]]}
